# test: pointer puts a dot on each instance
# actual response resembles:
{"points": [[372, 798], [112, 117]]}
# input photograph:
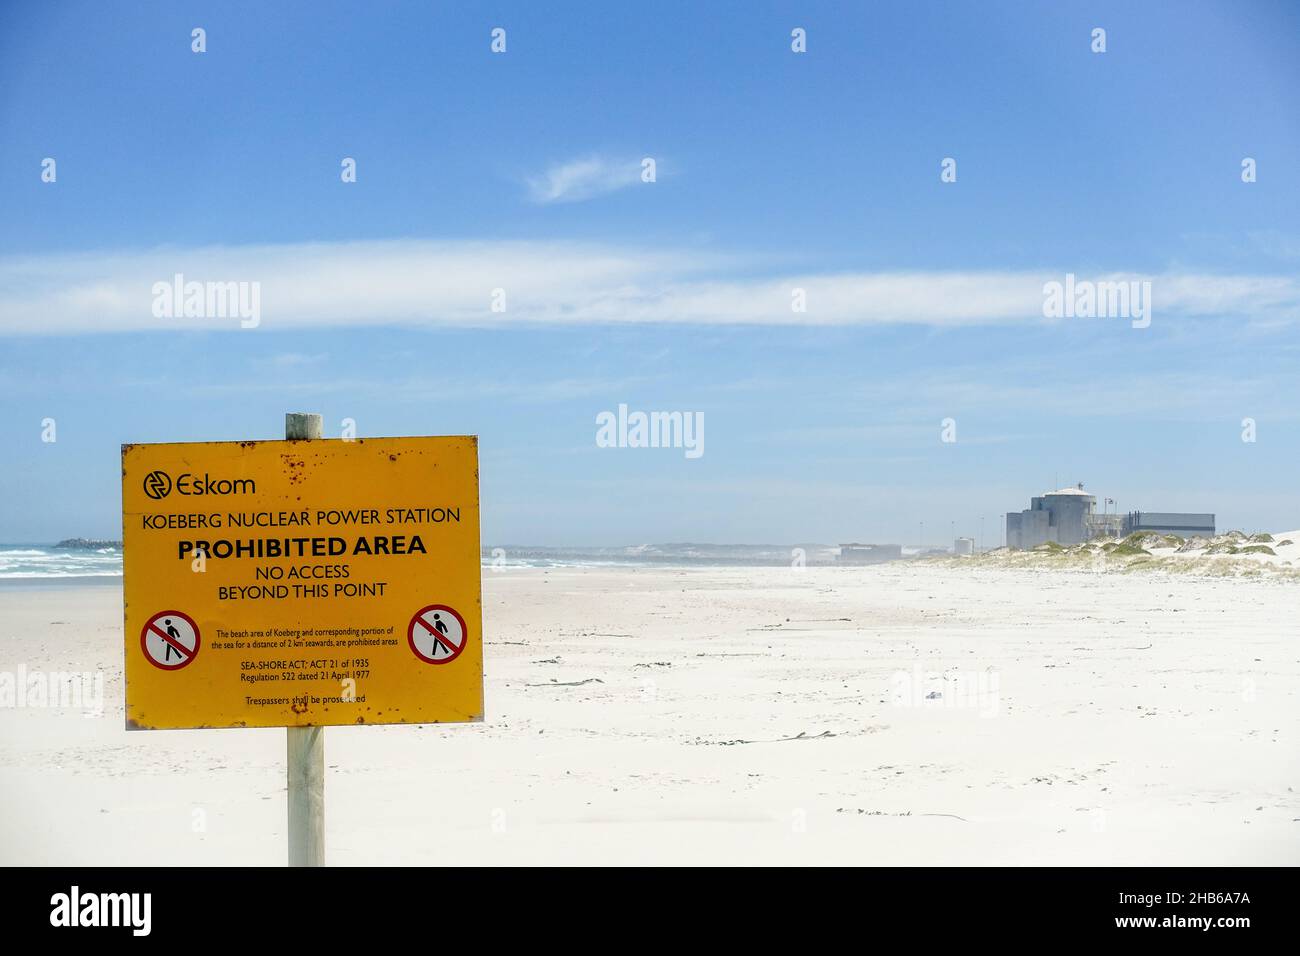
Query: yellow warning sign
{"points": [[301, 583]]}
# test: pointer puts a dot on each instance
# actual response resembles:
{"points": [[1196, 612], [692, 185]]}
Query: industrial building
{"points": [[1069, 516], [1061, 516], [854, 553], [1170, 522]]}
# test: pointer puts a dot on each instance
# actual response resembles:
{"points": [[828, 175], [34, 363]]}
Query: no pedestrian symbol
{"points": [[437, 634], [170, 640]]}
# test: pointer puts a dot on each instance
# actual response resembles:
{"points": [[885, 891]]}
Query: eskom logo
{"points": [[158, 484]]}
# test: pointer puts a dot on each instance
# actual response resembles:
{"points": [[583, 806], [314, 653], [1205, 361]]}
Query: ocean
{"points": [[37, 563], [45, 562]]}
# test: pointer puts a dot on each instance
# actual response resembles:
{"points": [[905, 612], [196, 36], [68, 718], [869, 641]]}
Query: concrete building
{"points": [[963, 546], [1063, 516], [1104, 526], [1069, 516], [1170, 522], [854, 553]]}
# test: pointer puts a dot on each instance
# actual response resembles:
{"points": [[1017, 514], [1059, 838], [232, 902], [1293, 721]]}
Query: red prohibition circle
{"points": [[417, 621], [190, 654]]}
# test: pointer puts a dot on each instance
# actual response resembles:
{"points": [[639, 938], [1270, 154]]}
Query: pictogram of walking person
{"points": [[440, 626], [175, 635]]}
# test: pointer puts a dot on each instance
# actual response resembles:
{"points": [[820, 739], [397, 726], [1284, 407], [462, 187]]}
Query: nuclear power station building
{"points": [[1069, 516]]}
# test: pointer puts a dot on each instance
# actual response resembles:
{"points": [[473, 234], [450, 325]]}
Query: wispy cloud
{"points": [[585, 178], [418, 283], [464, 389]]}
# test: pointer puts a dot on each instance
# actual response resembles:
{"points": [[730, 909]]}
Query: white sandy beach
{"points": [[655, 716]]}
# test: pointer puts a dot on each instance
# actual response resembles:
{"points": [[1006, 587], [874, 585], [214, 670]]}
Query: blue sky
{"points": [[775, 170]]}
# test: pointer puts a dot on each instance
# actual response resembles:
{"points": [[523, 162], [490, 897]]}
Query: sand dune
{"points": [[1231, 554]]}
